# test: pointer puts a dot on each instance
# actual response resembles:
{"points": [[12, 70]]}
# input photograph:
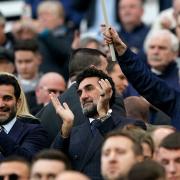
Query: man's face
{"points": [[27, 64], [117, 157], [89, 93], [49, 19], [8, 103], [6, 66], [159, 53], [119, 79], [170, 159], [130, 11], [46, 169], [18, 169], [56, 85]]}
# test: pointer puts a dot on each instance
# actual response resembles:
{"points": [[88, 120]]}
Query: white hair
{"points": [[163, 33]]}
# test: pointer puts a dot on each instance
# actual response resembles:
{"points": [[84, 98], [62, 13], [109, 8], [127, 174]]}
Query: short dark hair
{"points": [[52, 154], [146, 170], [94, 72], [6, 54], [26, 45], [171, 142], [137, 148], [9, 79], [82, 58], [16, 158]]}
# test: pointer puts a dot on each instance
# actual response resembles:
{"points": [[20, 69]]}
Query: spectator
{"points": [[120, 151], [14, 167], [145, 170], [156, 91], [69, 175], [96, 93], [133, 31], [54, 36], [137, 108], [162, 61], [77, 64], [6, 60], [48, 164], [168, 155], [20, 133], [117, 76], [49, 82], [27, 62], [6, 39], [159, 133], [73, 17], [167, 18]]}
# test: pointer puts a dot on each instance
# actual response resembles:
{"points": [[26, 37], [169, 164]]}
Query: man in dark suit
{"points": [[156, 91], [82, 143], [80, 60], [20, 133]]}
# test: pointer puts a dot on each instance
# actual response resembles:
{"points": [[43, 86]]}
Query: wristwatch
{"points": [[106, 116]]}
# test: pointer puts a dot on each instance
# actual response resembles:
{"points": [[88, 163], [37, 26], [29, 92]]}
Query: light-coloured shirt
{"points": [[7, 127]]}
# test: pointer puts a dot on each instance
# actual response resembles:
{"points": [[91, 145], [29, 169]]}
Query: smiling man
{"points": [[20, 133]]}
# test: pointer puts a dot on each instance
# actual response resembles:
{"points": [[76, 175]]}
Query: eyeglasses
{"points": [[49, 90], [10, 177]]}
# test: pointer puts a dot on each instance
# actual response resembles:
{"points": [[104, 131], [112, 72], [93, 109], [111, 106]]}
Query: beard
{"points": [[90, 111], [11, 113]]}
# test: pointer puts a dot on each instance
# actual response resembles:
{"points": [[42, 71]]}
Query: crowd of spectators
{"points": [[68, 111]]}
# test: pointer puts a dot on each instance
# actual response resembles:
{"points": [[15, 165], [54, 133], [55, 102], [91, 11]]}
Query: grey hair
{"points": [[165, 33]]}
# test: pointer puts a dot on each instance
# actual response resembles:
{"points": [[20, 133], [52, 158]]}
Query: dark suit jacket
{"points": [[83, 149], [155, 90], [51, 121], [26, 138]]}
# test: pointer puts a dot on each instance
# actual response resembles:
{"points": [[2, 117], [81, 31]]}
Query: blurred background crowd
{"points": [[36, 45]]}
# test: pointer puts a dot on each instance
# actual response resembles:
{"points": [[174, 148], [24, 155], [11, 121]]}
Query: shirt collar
{"points": [[91, 120], [7, 127]]}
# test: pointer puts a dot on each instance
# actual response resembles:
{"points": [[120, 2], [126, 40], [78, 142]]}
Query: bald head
{"points": [[49, 82], [137, 108], [69, 175]]}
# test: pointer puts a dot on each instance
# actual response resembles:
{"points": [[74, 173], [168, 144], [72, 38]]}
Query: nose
{"points": [[155, 50], [1, 102], [112, 156], [84, 95], [171, 168]]}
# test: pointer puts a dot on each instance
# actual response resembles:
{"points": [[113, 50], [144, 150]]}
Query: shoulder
{"points": [[28, 120]]}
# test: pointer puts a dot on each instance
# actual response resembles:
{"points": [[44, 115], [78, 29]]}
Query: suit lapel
{"points": [[84, 133], [16, 130], [93, 145]]}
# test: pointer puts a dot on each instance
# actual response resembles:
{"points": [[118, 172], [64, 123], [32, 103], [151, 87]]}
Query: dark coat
{"points": [[52, 122], [155, 90], [84, 149], [26, 138]]}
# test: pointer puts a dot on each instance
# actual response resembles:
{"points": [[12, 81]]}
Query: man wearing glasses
{"points": [[49, 82]]}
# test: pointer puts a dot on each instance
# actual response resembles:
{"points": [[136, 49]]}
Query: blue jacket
{"points": [[155, 90], [84, 150], [26, 138]]}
